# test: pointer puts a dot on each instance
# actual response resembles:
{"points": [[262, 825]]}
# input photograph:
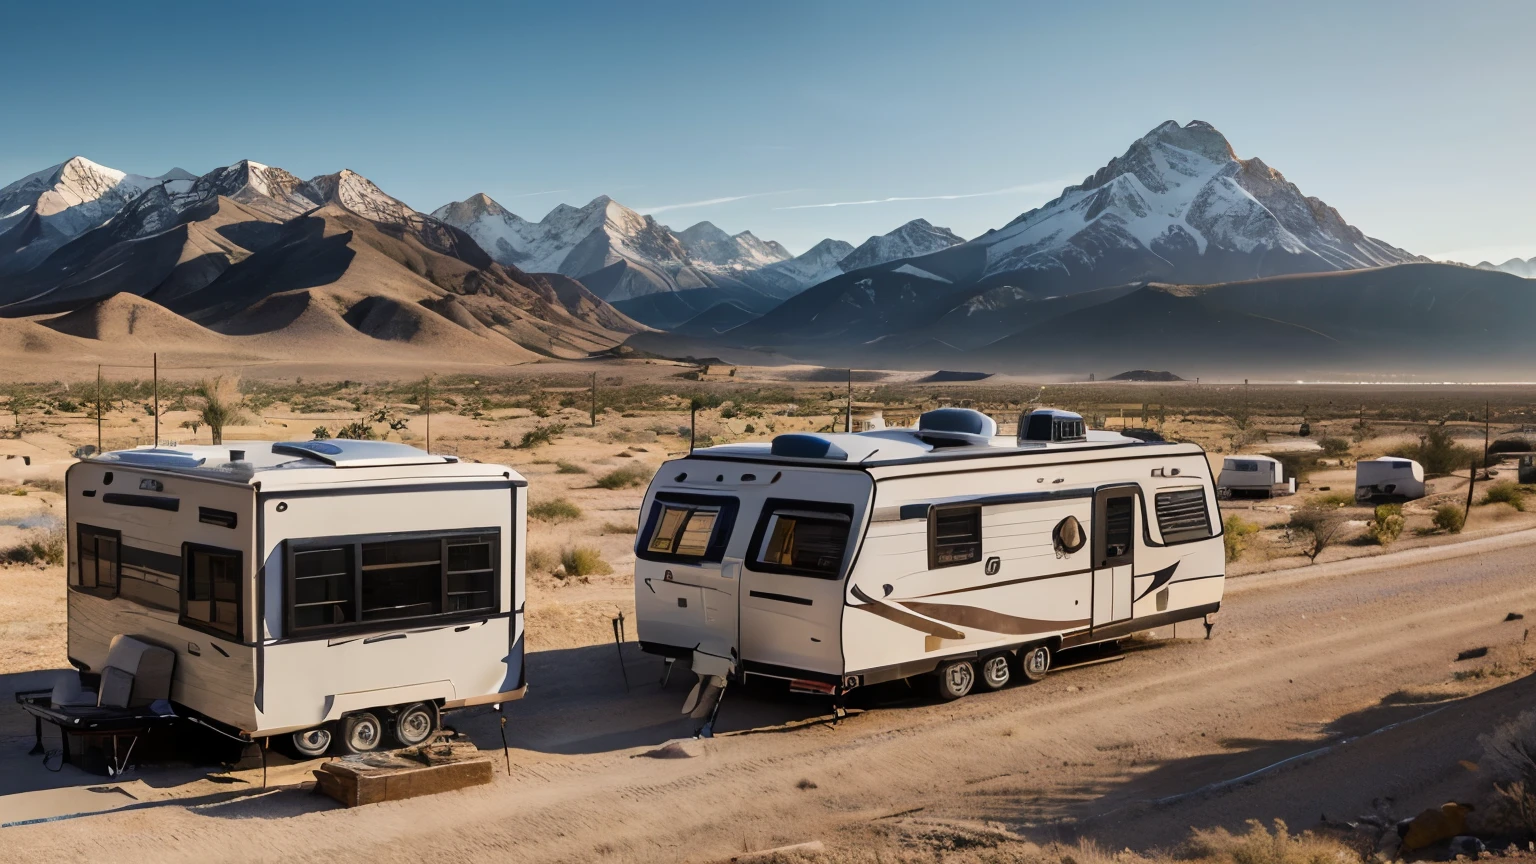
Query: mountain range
{"points": [[664, 277], [1175, 252]]}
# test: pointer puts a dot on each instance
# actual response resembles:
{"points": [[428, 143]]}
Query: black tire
{"points": [[361, 732], [1035, 662], [415, 724], [312, 743], [953, 679], [995, 671]]}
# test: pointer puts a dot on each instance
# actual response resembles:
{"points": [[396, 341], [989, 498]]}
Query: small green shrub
{"points": [[46, 549], [625, 477], [618, 528], [584, 561], [1334, 447], [569, 468], [554, 510], [46, 484], [1505, 492], [1386, 525], [320, 433], [357, 430], [1450, 518], [1316, 528], [1438, 453], [540, 435], [1234, 531]]}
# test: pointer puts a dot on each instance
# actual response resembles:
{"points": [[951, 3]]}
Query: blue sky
{"points": [[1413, 119]]}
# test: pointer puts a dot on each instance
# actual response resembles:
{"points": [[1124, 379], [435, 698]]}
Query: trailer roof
{"points": [[898, 446], [269, 461]]}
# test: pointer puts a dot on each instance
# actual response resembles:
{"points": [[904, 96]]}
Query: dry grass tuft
{"points": [[554, 510], [625, 477], [45, 548], [618, 528], [584, 561]]}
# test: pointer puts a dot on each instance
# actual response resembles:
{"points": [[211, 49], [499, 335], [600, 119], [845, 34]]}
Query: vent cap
{"points": [[943, 426], [798, 445]]}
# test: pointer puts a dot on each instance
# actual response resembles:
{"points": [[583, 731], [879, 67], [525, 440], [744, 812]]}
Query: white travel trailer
{"points": [[342, 592], [835, 561], [1253, 477], [1388, 478]]}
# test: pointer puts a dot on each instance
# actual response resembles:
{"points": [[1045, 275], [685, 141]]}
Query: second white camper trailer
{"points": [[1253, 477], [339, 593], [830, 562], [1388, 478]]}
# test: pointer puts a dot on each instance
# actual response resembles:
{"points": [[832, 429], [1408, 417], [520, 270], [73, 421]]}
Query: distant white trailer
{"points": [[1253, 477], [1388, 478]]}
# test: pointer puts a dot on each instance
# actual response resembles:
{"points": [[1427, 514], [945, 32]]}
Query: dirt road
{"points": [[1132, 752]]}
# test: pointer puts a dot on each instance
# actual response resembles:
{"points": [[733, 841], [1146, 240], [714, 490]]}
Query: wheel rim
{"points": [[960, 677], [415, 725], [1039, 661], [364, 734], [312, 742], [996, 671]]}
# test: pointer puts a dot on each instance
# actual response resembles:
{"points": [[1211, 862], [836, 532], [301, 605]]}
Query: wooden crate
{"points": [[390, 777]]}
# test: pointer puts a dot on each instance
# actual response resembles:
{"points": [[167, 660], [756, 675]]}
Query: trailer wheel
{"points": [[953, 679], [312, 743], [1034, 662], [996, 671], [415, 724], [361, 732]]}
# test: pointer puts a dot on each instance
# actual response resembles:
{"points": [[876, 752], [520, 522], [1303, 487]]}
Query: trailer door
{"points": [[1114, 548]]}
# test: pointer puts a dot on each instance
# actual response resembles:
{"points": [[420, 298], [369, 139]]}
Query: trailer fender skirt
{"points": [[342, 703]]}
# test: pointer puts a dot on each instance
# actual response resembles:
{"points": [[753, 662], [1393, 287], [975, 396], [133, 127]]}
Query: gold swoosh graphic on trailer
{"points": [[986, 619], [892, 612]]}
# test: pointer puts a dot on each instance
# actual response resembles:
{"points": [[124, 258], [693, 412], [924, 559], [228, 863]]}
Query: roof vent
{"points": [[157, 458], [795, 445], [955, 426], [1048, 426]]}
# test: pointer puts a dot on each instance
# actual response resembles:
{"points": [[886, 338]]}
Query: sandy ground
{"points": [[1305, 657], [1130, 753]]}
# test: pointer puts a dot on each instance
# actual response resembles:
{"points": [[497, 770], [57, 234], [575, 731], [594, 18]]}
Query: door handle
{"points": [[194, 650]]}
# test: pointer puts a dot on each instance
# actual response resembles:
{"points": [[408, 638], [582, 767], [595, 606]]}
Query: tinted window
{"points": [[347, 583], [322, 587], [956, 536], [687, 528], [1119, 526], [809, 544], [401, 579], [211, 593]]}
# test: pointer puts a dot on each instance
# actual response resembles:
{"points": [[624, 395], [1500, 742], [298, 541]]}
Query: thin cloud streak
{"points": [[536, 194], [1027, 187], [709, 202]]}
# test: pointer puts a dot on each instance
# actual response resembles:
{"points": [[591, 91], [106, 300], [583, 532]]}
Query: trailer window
{"points": [[322, 587], [954, 536], [802, 538], [150, 578], [687, 528], [211, 590], [1182, 515], [401, 579], [354, 583], [100, 560], [471, 577]]}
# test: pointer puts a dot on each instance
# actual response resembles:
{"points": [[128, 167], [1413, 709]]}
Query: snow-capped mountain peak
{"points": [[1177, 194], [914, 239], [358, 194], [709, 246]]}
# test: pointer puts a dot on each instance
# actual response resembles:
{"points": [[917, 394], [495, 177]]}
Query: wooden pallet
{"points": [[357, 780]]}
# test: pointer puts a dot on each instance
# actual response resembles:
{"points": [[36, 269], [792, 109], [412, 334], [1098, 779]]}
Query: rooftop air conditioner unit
{"points": [[1049, 426]]}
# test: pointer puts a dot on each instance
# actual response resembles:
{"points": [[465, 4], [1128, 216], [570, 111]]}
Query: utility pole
{"points": [[429, 413], [98, 408], [693, 419], [594, 400], [156, 361], [1471, 482], [848, 425], [1487, 410]]}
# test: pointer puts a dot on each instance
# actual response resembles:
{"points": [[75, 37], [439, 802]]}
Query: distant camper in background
{"points": [[1388, 479], [1253, 477]]}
